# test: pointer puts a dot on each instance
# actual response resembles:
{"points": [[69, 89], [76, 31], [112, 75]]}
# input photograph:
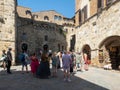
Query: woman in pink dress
{"points": [[34, 64]]}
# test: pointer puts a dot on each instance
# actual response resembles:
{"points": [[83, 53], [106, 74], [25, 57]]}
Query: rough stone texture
{"points": [[15, 21], [36, 28], [35, 35], [7, 26], [98, 28]]}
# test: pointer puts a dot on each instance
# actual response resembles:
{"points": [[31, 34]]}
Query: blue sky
{"points": [[64, 7]]}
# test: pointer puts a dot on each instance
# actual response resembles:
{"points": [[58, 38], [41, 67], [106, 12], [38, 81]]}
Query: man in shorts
{"points": [[66, 58]]}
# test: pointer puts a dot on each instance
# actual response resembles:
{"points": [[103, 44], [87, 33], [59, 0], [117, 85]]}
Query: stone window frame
{"points": [[46, 18]]}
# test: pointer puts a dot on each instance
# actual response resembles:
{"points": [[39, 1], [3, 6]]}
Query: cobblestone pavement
{"points": [[94, 79]]}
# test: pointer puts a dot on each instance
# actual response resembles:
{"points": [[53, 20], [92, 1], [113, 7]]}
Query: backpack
{"points": [[22, 57]]}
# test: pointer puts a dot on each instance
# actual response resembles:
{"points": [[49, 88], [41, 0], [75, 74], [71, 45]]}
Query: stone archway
{"points": [[24, 47], [111, 51], [86, 49]]}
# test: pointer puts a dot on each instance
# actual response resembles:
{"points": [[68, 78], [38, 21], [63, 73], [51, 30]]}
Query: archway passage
{"points": [[86, 49], [45, 48], [24, 47], [111, 46]]}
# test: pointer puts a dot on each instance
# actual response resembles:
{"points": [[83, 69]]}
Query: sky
{"points": [[64, 7]]}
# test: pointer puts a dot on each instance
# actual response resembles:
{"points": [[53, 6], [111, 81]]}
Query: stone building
{"points": [[8, 25], [34, 33], [22, 29], [98, 30]]}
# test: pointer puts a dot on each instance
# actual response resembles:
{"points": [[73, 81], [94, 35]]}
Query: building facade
{"points": [[98, 30], [22, 29], [8, 25]]}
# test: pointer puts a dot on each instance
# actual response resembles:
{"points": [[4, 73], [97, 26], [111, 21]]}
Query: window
{"points": [[80, 17], [55, 17], [85, 13], [99, 3], [35, 16], [46, 38], [28, 12], [60, 18], [46, 18]]}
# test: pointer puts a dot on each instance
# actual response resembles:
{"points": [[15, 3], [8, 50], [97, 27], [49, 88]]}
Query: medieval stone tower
{"points": [[7, 25]]}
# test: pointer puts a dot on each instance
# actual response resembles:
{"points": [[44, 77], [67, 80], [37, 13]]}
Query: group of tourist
{"points": [[69, 62]]}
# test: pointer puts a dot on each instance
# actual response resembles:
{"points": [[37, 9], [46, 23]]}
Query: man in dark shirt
{"points": [[9, 60]]}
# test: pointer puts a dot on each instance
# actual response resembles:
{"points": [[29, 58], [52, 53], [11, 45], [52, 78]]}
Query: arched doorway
{"points": [[45, 48], [111, 51], [86, 49], [24, 47]]}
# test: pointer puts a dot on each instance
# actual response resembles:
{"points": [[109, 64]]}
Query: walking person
{"points": [[9, 60], [66, 58]]}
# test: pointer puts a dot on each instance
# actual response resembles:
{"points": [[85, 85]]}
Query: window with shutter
{"points": [[80, 17], [85, 12]]}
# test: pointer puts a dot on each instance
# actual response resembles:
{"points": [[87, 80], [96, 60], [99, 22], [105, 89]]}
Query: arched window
{"points": [[28, 12], [55, 17], [46, 18], [60, 18]]}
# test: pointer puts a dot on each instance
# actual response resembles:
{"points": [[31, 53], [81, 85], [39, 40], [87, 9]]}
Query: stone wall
{"points": [[33, 33], [98, 28], [8, 25]]}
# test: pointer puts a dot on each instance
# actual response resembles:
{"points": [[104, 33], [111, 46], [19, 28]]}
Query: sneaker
{"points": [[69, 80]]}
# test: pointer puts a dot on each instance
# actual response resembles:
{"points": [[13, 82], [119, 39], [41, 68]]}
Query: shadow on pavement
{"points": [[19, 81]]}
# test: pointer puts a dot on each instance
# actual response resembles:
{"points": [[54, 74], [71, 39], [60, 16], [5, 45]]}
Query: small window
{"points": [[60, 18], [55, 17], [80, 17], [46, 18], [35, 16], [85, 13], [46, 38], [28, 12]]}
